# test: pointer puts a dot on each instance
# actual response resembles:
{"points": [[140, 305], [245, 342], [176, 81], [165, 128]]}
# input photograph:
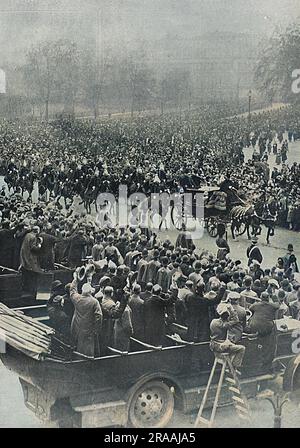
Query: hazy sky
{"points": [[23, 22]]}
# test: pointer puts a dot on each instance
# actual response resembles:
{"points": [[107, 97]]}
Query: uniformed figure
{"points": [[223, 247], [254, 253], [184, 239]]}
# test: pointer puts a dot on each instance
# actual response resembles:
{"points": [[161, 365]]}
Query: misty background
{"points": [[136, 54]]}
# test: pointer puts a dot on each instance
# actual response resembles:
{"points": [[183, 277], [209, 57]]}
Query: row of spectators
{"points": [[139, 288]]}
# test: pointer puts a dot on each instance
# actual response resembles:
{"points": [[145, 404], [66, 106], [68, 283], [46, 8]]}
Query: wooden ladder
{"points": [[229, 374]]}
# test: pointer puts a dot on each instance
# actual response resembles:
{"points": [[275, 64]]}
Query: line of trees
{"points": [[277, 62], [59, 77]]}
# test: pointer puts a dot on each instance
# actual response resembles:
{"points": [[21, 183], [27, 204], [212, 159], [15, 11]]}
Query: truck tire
{"points": [[151, 406]]}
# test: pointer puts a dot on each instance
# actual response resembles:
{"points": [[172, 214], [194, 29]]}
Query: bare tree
{"points": [[277, 61], [50, 71], [68, 75], [139, 81]]}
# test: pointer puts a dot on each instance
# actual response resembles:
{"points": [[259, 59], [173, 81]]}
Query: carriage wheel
{"points": [[151, 406], [212, 227], [177, 219]]}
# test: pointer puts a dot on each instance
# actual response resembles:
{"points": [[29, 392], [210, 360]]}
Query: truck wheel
{"points": [[296, 379], [151, 406]]}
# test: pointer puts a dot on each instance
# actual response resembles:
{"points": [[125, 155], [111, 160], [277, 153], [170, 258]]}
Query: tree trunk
{"points": [[162, 108], [96, 106], [47, 110], [96, 110]]}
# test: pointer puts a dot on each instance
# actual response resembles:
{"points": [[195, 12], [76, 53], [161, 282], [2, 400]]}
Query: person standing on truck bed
{"points": [[7, 244], [47, 252], [136, 305], [77, 248], [87, 319], [111, 310], [29, 265], [262, 322], [59, 319], [123, 330], [155, 309], [198, 306]]}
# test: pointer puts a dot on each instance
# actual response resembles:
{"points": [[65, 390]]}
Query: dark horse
{"points": [[26, 183], [254, 216]]}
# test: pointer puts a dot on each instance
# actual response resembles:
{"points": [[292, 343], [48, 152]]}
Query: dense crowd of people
{"points": [[134, 284], [66, 159], [136, 287]]}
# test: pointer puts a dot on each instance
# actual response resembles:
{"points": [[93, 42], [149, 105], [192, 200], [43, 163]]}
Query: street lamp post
{"points": [[250, 98], [277, 401]]}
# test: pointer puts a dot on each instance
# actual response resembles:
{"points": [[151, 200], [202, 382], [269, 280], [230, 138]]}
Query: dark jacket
{"points": [[254, 253], [136, 305], [154, 309], [77, 249], [264, 314], [198, 316], [47, 254]]}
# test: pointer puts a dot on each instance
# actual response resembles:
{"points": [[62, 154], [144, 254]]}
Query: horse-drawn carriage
{"points": [[212, 207], [216, 209]]}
